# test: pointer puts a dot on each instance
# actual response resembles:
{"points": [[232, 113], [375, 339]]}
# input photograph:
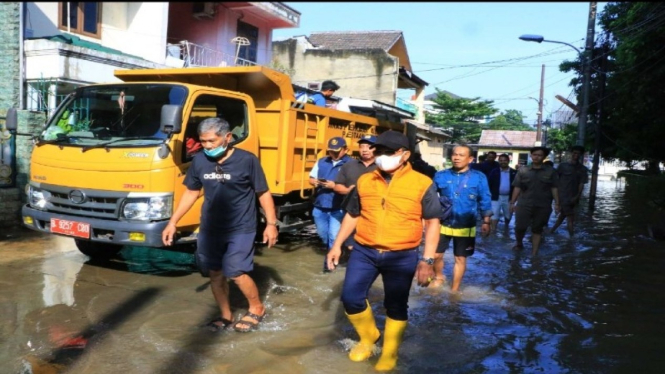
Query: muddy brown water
{"points": [[591, 305]]}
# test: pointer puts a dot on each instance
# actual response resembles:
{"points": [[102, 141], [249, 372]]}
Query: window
{"points": [[234, 111], [81, 18], [252, 34]]}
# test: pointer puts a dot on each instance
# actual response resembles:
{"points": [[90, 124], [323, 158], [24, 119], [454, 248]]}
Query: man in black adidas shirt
{"points": [[231, 180]]}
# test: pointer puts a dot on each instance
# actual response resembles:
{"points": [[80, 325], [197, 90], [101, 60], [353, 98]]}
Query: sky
{"points": [[443, 39]]}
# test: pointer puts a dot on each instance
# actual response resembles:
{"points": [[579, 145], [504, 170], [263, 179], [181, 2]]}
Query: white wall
{"points": [[134, 28]]}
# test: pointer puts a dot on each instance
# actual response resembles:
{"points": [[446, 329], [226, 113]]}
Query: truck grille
{"points": [[98, 204]]}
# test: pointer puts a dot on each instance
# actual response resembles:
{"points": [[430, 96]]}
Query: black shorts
{"points": [[534, 216], [232, 253], [463, 246]]}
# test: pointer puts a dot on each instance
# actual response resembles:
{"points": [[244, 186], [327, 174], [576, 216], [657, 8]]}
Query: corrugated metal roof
{"points": [[347, 40], [507, 138]]}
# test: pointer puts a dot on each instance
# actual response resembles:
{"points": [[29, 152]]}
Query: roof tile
{"points": [[348, 40], [507, 138]]}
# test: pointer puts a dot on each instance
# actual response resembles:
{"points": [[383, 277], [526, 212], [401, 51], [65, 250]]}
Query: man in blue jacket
{"points": [[328, 212], [469, 191], [500, 182]]}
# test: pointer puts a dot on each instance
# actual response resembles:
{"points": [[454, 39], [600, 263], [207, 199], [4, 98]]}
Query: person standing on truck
{"points": [[231, 180], [328, 88], [327, 212], [389, 208], [350, 172]]}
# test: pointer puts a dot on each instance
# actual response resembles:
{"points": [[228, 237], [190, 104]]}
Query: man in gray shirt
{"points": [[535, 186], [572, 178]]}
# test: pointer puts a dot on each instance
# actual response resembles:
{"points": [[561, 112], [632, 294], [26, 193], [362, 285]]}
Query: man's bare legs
{"points": [[458, 272], [493, 224], [220, 289], [519, 239], [248, 288], [439, 279], [535, 241], [569, 223]]}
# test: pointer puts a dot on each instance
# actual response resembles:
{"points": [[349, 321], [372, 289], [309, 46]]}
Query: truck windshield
{"points": [[118, 115]]}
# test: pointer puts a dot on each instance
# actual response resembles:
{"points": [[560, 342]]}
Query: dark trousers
{"points": [[396, 269]]}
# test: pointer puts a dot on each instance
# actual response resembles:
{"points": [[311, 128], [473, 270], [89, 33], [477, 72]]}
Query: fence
{"points": [[194, 55]]}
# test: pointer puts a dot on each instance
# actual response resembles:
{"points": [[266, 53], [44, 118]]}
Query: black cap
{"points": [[329, 85], [392, 140]]}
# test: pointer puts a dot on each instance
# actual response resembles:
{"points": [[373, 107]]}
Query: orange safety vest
{"points": [[391, 214]]}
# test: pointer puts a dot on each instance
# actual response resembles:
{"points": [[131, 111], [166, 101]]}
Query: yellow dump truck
{"points": [[109, 166]]}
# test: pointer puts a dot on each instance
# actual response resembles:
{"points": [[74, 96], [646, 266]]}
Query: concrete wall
{"points": [[134, 28], [46, 59], [362, 74]]}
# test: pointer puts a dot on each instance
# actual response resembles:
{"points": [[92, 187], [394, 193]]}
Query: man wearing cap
{"points": [[328, 88], [387, 209], [327, 212], [350, 172], [535, 187]]}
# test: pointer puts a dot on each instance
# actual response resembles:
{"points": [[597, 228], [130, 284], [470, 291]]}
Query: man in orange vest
{"points": [[387, 209]]}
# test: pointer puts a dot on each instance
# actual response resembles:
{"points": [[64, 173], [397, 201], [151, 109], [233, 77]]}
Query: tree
{"points": [[561, 140], [632, 51], [458, 115], [510, 119]]}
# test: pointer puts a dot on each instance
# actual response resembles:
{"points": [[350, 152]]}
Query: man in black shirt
{"points": [[348, 175], [231, 180]]}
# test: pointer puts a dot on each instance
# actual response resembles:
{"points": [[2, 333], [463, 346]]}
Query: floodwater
{"points": [[591, 305]]}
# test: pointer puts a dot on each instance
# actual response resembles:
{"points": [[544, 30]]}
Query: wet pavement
{"points": [[590, 305]]}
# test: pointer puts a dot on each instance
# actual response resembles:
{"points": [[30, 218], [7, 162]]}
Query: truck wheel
{"points": [[97, 250]]}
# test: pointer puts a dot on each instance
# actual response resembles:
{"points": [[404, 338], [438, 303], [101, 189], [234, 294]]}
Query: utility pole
{"points": [[539, 133], [598, 131], [586, 77]]}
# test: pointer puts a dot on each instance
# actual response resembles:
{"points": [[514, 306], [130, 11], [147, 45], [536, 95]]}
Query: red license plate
{"points": [[71, 228]]}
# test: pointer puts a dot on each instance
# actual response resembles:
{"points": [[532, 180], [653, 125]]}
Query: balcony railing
{"points": [[194, 55]]}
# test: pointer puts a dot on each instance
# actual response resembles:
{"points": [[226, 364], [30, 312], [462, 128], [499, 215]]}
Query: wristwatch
{"points": [[428, 261]]}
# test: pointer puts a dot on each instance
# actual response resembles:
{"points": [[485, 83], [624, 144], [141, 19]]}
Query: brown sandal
{"points": [[250, 325]]}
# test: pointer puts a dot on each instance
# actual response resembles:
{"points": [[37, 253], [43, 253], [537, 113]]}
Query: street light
{"points": [[581, 124]]}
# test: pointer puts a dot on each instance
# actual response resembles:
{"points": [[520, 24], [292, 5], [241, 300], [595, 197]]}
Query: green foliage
{"points": [[457, 116], [511, 119], [560, 140], [632, 111]]}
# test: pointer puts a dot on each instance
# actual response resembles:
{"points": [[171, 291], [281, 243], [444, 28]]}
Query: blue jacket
{"points": [[325, 197], [473, 194], [494, 181]]}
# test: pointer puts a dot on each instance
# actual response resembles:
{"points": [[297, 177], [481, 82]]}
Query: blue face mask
{"points": [[215, 152]]}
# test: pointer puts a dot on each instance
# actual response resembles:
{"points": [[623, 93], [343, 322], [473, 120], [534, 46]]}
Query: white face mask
{"points": [[388, 163]]}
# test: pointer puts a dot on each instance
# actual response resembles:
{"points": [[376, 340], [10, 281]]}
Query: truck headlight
{"points": [[148, 208], [37, 198]]}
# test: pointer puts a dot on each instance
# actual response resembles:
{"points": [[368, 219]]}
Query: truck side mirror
{"points": [[171, 119], [11, 123]]}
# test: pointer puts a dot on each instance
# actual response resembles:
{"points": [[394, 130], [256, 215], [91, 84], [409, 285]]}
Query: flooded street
{"points": [[591, 305]]}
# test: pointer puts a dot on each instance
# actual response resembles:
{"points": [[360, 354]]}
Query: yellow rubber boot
{"points": [[365, 326], [392, 338]]}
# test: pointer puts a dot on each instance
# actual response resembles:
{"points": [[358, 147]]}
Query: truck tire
{"points": [[97, 250]]}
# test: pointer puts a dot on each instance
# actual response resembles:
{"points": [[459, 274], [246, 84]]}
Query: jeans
{"points": [[328, 222], [397, 270]]}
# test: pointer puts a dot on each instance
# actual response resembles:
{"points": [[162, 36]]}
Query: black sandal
{"points": [[215, 327], [252, 325]]}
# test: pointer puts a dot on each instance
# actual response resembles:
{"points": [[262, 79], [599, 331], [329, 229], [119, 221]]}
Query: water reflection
{"points": [[59, 277], [592, 304]]}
